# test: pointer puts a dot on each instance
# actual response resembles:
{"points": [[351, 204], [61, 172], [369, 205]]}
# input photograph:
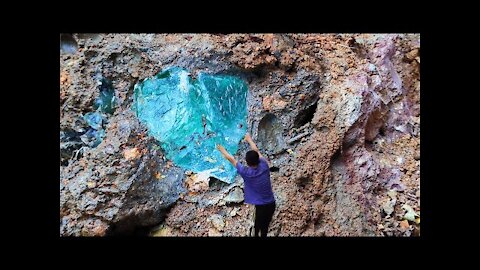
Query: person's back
{"points": [[258, 188]]}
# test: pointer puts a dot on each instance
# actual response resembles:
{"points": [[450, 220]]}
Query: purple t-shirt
{"points": [[258, 188]]}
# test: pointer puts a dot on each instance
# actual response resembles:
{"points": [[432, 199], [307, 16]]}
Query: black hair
{"points": [[252, 158]]}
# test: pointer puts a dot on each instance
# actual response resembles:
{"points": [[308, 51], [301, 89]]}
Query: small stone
{"points": [[162, 231], [132, 153], [91, 184], [159, 176], [198, 182], [412, 54], [217, 221], [404, 224], [392, 193], [371, 67], [235, 196], [214, 232], [389, 205], [109, 149], [400, 160]]}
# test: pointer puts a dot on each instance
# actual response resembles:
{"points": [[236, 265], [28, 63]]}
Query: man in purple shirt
{"points": [[258, 188]]}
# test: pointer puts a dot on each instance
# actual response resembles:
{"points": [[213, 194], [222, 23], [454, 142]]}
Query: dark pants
{"points": [[263, 216]]}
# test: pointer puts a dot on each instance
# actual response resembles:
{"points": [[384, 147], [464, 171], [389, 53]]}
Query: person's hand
{"points": [[220, 147], [247, 137]]}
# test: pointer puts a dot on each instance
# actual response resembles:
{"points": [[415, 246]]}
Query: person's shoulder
{"points": [[264, 162], [239, 166]]}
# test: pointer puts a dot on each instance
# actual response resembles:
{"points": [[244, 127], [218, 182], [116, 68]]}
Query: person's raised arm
{"points": [[253, 146], [227, 155]]}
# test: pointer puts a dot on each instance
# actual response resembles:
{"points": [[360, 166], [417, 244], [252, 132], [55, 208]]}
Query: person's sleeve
{"points": [[264, 161], [240, 168]]}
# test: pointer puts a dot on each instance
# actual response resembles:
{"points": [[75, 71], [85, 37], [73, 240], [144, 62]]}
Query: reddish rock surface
{"points": [[338, 115]]}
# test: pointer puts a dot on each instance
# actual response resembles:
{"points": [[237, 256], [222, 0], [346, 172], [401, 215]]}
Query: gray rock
{"points": [[78, 185], [126, 196], [217, 222], [235, 196]]}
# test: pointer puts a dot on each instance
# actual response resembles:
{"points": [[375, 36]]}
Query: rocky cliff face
{"points": [[337, 115]]}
